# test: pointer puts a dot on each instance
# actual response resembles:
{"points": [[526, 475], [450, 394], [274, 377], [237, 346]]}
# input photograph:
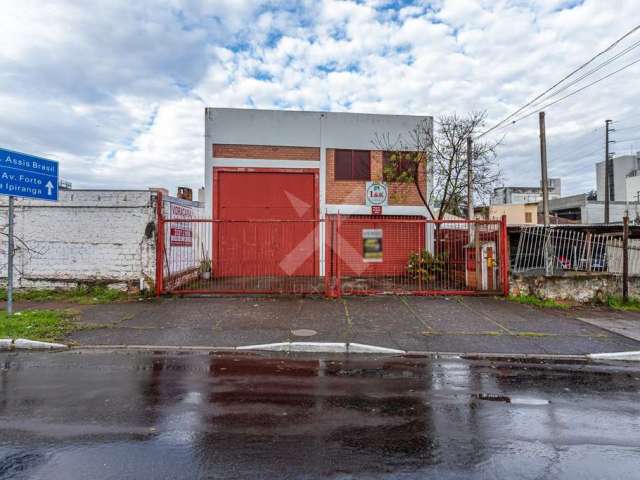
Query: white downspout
{"points": [[322, 195]]}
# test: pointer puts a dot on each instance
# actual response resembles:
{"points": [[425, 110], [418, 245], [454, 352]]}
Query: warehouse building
{"points": [[295, 166]]}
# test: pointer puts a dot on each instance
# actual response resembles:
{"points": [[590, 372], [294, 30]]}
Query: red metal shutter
{"points": [[343, 165], [361, 165]]}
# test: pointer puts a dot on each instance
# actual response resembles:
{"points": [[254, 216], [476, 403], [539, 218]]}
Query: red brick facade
{"points": [[352, 191], [265, 152]]}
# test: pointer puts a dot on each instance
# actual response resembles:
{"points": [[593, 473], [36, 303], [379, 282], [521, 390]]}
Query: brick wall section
{"points": [[87, 236], [265, 152], [352, 191]]}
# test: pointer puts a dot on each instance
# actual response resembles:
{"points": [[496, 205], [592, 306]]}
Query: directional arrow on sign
{"points": [[49, 186]]}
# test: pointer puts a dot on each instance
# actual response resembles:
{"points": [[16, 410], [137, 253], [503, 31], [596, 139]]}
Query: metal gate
{"points": [[338, 255]]}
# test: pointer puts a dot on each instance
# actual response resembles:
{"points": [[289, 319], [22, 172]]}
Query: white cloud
{"points": [[116, 91]]}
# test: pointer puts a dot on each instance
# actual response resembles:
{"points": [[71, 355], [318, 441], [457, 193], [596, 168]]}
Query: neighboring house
{"points": [[624, 183], [580, 209], [293, 166], [520, 195], [517, 214]]}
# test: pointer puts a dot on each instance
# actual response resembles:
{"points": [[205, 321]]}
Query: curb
{"points": [[633, 356], [323, 347], [354, 348], [8, 344]]}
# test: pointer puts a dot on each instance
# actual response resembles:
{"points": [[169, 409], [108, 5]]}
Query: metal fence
{"points": [[335, 256], [554, 250]]}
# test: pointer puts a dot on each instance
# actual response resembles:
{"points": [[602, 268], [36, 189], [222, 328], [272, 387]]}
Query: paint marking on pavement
{"points": [[415, 314], [346, 313], [486, 317]]}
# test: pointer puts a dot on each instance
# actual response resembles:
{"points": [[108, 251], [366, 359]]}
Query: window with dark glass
{"points": [[397, 166], [353, 165]]}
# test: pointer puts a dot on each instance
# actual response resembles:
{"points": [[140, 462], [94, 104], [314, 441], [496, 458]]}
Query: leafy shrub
{"points": [[425, 265]]}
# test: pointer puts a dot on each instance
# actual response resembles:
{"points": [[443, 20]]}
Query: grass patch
{"points": [[82, 295], [45, 325], [536, 302], [617, 303]]}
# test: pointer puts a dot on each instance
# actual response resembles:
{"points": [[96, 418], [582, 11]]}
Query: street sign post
{"points": [[23, 175]]}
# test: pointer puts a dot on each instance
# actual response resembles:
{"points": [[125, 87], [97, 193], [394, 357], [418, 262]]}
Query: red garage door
{"points": [[282, 238]]}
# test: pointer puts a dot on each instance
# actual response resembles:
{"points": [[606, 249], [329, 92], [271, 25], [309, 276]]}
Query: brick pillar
{"points": [[376, 165]]}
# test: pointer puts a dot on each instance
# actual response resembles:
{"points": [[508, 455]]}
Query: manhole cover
{"points": [[304, 332]]}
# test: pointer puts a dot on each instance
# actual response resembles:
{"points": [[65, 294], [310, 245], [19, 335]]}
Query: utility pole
{"points": [[625, 260], [470, 211], [543, 162], [607, 171]]}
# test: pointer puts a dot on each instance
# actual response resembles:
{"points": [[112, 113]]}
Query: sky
{"points": [[115, 90]]}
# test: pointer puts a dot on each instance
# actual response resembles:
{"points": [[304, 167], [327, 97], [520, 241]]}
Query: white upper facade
{"points": [[322, 130]]}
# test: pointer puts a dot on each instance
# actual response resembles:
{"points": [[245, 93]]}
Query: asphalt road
{"points": [[106, 415]]}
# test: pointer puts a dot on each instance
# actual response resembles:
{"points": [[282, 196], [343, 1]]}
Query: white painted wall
{"points": [[632, 188], [594, 212], [88, 235], [622, 166]]}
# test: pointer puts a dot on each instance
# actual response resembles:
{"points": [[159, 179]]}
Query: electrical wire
{"points": [[571, 94], [543, 94], [632, 127], [579, 151], [591, 72]]}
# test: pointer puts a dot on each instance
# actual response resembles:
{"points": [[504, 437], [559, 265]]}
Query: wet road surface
{"points": [[105, 415]]}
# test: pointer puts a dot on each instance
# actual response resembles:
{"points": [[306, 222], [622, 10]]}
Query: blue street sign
{"points": [[23, 175]]}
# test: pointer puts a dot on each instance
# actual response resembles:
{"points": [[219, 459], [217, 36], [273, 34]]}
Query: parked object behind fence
{"points": [[557, 249]]}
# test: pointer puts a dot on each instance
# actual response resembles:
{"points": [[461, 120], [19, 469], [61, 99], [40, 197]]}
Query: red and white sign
{"points": [[180, 233], [376, 209]]}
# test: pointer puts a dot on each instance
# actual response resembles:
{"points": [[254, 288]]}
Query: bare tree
{"points": [[21, 248], [442, 155]]}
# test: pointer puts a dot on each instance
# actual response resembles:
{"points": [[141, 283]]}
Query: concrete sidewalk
{"points": [[456, 324]]}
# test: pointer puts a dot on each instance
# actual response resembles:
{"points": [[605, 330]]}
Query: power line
{"points": [[572, 93], [579, 151], [632, 127], [593, 70], [579, 156], [627, 140], [614, 44]]}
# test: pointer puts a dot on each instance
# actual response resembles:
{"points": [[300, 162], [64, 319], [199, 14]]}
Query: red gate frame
{"points": [[335, 290]]}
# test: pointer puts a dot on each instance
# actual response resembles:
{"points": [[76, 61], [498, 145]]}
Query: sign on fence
{"points": [[181, 233], [372, 244], [23, 175]]}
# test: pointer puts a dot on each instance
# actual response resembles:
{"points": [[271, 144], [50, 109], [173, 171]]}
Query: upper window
{"points": [[353, 165], [405, 164]]}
